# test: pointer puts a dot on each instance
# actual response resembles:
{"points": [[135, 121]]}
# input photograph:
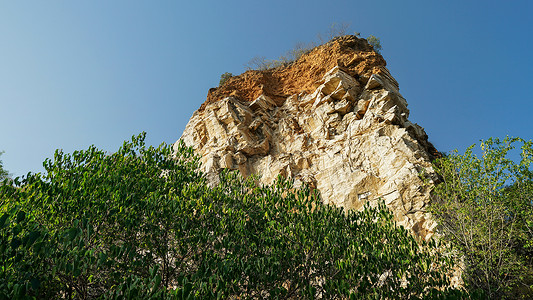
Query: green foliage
{"points": [[484, 207], [224, 77], [142, 223], [375, 43], [99, 224], [3, 173]]}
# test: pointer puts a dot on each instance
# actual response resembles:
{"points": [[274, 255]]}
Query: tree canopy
{"points": [[143, 223], [484, 208]]}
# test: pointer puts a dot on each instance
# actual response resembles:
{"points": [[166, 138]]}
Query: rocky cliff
{"points": [[334, 119]]}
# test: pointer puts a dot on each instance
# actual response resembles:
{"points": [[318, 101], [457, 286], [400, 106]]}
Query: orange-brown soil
{"points": [[351, 54]]}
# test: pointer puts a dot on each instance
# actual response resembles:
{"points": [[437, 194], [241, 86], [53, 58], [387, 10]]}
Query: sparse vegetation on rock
{"points": [[224, 77], [261, 63], [375, 42]]}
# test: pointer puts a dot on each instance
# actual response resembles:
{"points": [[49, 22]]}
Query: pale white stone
{"points": [[262, 102]]}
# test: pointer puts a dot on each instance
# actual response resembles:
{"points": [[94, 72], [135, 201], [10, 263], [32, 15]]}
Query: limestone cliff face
{"points": [[334, 119]]}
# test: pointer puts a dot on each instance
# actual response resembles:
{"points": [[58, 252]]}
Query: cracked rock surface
{"points": [[346, 134]]}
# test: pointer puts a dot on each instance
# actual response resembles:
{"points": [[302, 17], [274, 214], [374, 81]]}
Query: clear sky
{"points": [[77, 73]]}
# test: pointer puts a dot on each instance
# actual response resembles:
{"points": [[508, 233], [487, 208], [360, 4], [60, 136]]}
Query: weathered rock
{"points": [[354, 144]]}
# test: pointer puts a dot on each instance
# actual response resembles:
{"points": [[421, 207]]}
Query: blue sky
{"points": [[77, 73]]}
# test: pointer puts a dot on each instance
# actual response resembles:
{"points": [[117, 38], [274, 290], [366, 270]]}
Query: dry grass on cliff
{"points": [[350, 53]]}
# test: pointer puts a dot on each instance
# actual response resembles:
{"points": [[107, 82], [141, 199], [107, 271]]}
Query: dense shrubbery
{"points": [[140, 224], [484, 208]]}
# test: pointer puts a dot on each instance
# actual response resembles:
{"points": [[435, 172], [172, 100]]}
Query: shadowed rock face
{"points": [[348, 136]]}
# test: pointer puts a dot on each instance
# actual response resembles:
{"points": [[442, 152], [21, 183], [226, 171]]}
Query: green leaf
{"points": [[21, 216], [31, 238], [3, 220]]}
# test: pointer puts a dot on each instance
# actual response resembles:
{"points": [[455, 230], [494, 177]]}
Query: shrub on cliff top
{"points": [[375, 43], [224, 77], [142, 223]]}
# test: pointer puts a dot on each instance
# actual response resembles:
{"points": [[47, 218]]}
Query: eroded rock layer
{"points": [[343, 129]]}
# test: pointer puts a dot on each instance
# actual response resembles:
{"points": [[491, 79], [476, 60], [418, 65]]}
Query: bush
{"points": [[143, 223], [484, 209], [375, 43], [224, 77]]}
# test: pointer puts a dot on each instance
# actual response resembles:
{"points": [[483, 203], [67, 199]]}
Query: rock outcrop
{"points": [[334, 119]]}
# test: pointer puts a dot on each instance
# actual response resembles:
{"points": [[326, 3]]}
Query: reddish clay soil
{"points": [[351, 54]]}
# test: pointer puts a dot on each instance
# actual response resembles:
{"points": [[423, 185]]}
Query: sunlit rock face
{"points": [[346, 133]]}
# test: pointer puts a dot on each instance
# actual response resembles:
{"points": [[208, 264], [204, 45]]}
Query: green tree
{"points": [[484, 207], [3, 173], [375, 43], [143, 223]]}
